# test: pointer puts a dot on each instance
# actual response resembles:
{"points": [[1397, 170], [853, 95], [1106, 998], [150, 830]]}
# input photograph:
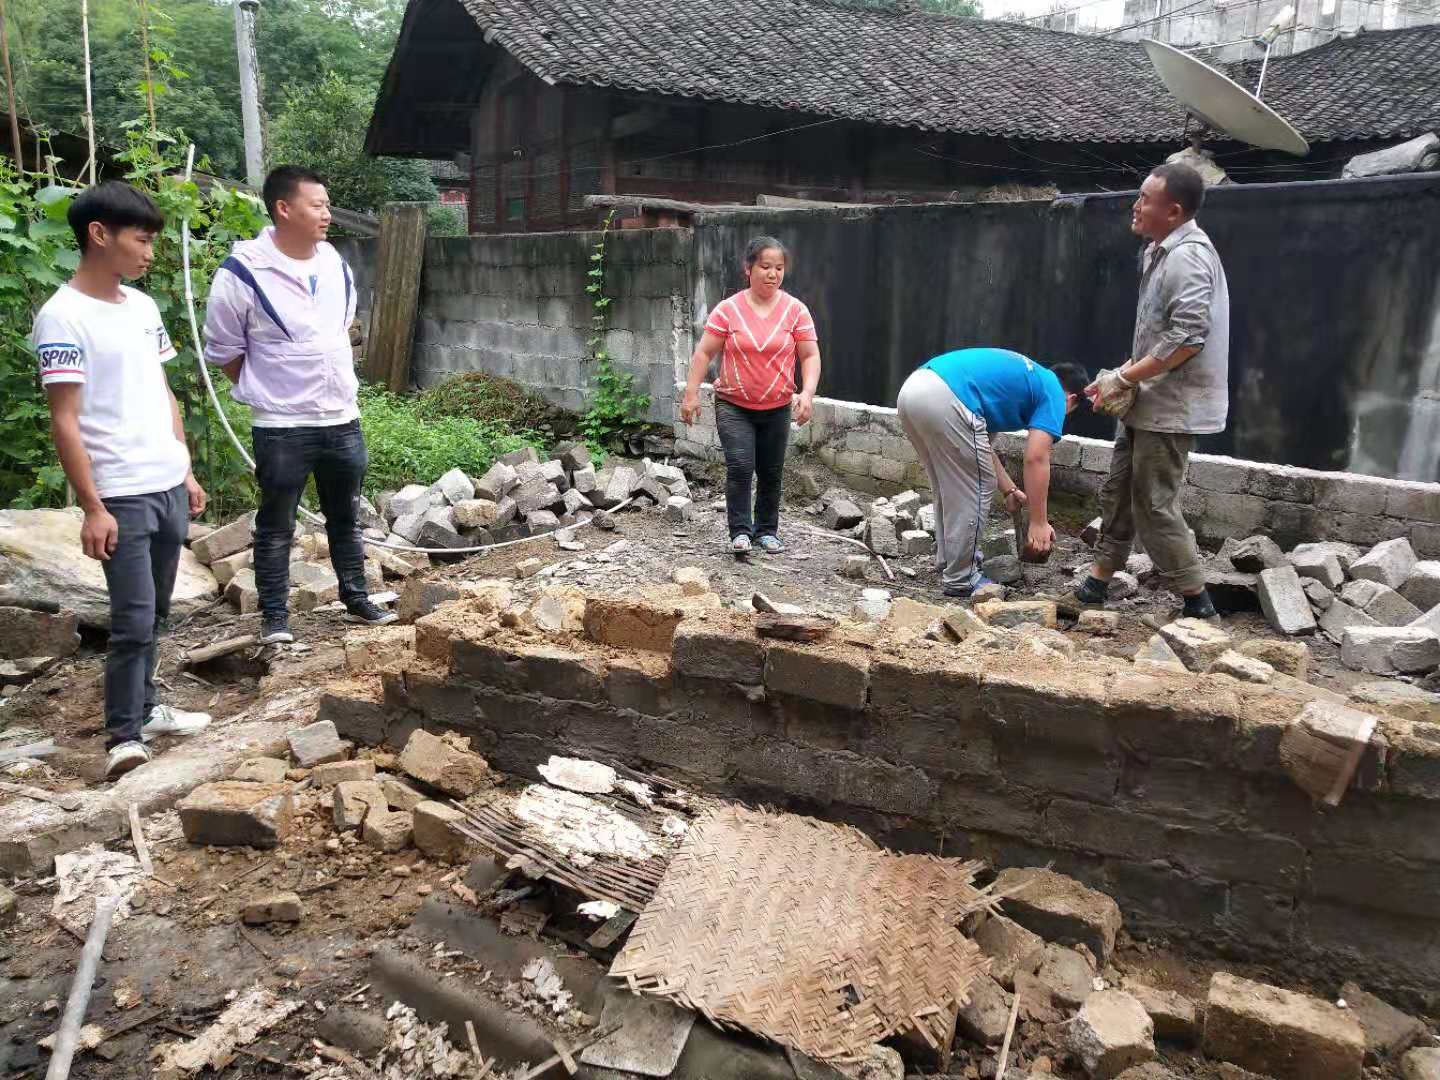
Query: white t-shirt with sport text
{"points": [[117, 351]]}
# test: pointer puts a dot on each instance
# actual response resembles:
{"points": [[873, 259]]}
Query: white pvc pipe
{"points": [[313, 518], [68, 1037]]}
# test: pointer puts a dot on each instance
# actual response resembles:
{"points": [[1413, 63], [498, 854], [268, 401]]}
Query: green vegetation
{"points": [[616, 408], [411, 445], [478, 395]]}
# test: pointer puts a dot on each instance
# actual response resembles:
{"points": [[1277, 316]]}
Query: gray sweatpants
{"points": [[953, 445]]}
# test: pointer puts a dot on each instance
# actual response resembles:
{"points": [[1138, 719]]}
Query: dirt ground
{"points": [[184, 950]]}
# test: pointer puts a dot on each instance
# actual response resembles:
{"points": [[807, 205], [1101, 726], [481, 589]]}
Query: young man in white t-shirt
{"points": [[116, 426]]}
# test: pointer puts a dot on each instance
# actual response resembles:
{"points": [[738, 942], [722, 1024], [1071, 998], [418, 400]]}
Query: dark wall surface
{"points": [[1334, 287]]}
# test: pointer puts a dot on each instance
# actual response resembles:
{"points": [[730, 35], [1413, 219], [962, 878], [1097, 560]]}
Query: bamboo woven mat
{"points": [[806, 933]]}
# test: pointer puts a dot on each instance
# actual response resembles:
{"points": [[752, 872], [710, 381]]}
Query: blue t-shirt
{"points": [[1009, 390]]}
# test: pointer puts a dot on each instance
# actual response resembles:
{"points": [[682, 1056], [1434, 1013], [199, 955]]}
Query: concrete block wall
{"points": [[1224, 496], [516, 306], [1164, 790]]}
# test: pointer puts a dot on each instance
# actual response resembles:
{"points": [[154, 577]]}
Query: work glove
{"points": [[1113, 397]]}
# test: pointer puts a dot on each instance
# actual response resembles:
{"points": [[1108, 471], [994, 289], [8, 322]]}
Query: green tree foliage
{"points": [[323, 125]]}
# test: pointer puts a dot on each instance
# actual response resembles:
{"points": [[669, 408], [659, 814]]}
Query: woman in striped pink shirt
{"points": [[759, 334]]}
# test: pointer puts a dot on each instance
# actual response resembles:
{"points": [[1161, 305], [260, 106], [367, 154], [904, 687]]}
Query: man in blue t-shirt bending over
{"points": [[948, 408]]}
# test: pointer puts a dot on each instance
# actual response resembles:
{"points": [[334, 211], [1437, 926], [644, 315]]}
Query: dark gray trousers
{"points": [[141, 576]]}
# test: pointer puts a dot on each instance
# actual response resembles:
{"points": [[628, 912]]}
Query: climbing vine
{"points": [[615, 405]]}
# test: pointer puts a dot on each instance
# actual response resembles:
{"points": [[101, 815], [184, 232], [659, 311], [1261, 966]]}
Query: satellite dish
{"points": [[1224, 105]]}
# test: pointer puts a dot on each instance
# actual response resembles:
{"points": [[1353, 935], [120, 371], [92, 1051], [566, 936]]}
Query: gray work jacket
{"points": [[1184, 301]]}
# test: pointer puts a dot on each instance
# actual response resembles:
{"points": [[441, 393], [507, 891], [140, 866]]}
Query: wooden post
{"points": [[10, 93], [397, 295], [89, 95]]}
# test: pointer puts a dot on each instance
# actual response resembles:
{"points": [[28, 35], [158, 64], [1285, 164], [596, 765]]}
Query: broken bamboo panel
{"points": [[397, 295], [1323, 747]]}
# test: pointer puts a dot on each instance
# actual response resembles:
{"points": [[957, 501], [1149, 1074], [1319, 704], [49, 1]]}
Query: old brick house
{"points": [[543, 102]]}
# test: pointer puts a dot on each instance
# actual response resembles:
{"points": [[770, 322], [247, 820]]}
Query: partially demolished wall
{"points": [[1224, 496], [1164, 790]]}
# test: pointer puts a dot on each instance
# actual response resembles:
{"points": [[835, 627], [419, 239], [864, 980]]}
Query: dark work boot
{"points": [[1199, 606], [1092, 592]]}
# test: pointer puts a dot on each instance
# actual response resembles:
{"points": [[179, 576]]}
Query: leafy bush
{"points": [[407, 447], [443, 220]]}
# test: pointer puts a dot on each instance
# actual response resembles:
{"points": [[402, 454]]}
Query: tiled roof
{"points": [[1380, 84], [877, 66]]}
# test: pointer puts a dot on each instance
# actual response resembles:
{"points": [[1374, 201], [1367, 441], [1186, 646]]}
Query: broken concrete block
{"points": [[575, 502], [583, 480], [497, 482], [1345, 554], [1068, 974], [455, 486], [542, 521], [1256, 553], [1290, 657], [1099, 623], [618, 489], [1284, 602], [1389, 563], [705, 653], [679, 509], [1319, 594], [261, 770], [411, 499], [400, 795], [1339, 617], [1015, 613], [434, 835], [873, 606], [272, 908], [631, 624], [25, 633], [1157, 651], [316, 744], [1388, 1031], [242, 593], [1422, 1063], [436, 533], [9, 906], [1382, 603], [407, 527], [554, 472], [1173, 1015], [233, 813], [1123, 585], [843, 514], [1280, 1033], [880, 534], [855, 566], [1003, 569], [1399, 699], [576, 456], [1196, 642], [313, 594], [1231, 591], [526, 455], [987, 593], [535, 494], [1013, 950], [1422, 587], [375, 647], [1001, 544], [1420, 154], [445, 763], [1242, 667], [1320, 565], [388, 830], [476, 513], [225, 569], [692, 580], [1060, 909], [527, 568], [1111, 1033], [917, 542], [335, 772], [1390, 650], [226, 540], [353, 800], [985, 1017]]}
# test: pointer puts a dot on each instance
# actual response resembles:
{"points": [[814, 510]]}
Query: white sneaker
{"points": [[740, 545], [123, 758], [167, 721]]}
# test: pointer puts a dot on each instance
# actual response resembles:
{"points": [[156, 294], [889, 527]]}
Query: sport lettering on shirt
{"points": [[58, 358]]}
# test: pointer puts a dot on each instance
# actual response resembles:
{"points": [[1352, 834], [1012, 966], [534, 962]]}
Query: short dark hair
{"points": [[1073, 377], [761, 244], [1184, 185], [114, 205], [283, 182]]}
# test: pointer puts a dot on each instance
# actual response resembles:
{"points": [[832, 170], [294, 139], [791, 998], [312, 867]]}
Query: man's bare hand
{"points": [[196, 494], [1039, 539], [1015, 499], [99, 535]]}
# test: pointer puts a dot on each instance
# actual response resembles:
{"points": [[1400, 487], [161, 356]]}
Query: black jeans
{"points": [[284, 460], [754, 441], [141, 576]]}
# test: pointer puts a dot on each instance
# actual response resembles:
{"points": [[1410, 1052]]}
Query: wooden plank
{"points": [[397, 295], [137, 837]]}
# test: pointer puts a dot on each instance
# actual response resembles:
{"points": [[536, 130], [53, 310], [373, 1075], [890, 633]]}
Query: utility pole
{"points": [[89, 94], [10, 93], [249, 90]]}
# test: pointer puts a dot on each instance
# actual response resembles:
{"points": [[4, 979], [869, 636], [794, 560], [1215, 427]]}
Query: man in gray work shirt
{"points": [[1179, 370]]}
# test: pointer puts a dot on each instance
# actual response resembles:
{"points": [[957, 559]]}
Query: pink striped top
{"points": [[757, 368]]}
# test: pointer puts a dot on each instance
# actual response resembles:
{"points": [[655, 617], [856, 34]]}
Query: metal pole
{"points": [[10, 93], [1259, 86], [249, 90], [68, 1038], [89, 102]]}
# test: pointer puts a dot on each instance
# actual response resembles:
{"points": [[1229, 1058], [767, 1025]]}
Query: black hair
{"points": [[1073, 377], [761, 244], [283, 182], [1184, 185], [114, 205]]}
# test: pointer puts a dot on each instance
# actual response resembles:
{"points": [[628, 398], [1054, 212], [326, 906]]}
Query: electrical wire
{"points": [[309, 515]]}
